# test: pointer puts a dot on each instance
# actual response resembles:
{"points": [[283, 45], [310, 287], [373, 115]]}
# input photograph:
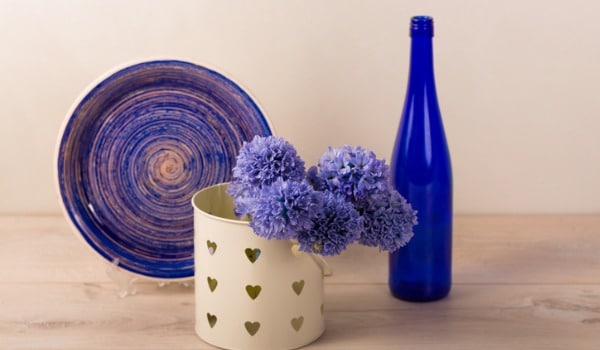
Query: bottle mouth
{"points": [[421, 26]]}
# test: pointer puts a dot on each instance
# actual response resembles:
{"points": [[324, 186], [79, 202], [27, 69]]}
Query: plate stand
{"points": [[125, 281]]}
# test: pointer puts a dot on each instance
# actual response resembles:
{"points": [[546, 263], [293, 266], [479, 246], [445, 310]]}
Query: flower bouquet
{"points": [[346, 198]]}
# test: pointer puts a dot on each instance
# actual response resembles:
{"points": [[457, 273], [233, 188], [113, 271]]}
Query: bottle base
{"points": [[419, 294]]}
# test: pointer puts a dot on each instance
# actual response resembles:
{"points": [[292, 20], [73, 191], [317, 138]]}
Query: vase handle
{"points": [[323, 264], [318, 259]]}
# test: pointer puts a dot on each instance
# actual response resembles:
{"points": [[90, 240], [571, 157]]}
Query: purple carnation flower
{"points": [[244, 204], [353, 172], [388, 221], [282, 209], [335, 226], [262, 161]]}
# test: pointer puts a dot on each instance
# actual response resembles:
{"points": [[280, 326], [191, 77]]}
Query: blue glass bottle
{"points": [[422, 173]]}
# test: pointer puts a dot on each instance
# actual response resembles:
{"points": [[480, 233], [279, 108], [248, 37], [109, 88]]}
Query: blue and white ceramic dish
{"points": [[137, 146]]}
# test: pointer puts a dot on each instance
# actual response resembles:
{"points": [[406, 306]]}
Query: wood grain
{"points": [[527, 282]]}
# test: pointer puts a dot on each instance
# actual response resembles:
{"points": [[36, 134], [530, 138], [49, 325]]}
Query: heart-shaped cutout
{"points": [[298, 286], [296, 250], [212, 320], [212, 247], [297, 323], [212, 283], [253, 291], [252, 254], [252, 327]]}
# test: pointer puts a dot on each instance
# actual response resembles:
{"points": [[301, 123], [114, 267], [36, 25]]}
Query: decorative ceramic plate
{"points": [[137, 146]]}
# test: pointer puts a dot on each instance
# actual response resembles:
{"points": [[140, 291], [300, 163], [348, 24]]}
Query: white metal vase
{"points": [[251, 293]]}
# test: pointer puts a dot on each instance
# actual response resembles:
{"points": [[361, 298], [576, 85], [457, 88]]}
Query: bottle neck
{"points": [[421, 60]]}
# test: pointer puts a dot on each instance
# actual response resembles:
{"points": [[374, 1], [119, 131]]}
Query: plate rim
{"points": [[107, 73]]}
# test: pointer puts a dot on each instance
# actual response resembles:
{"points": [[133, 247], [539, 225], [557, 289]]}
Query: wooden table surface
{"points": [[520, 282]]}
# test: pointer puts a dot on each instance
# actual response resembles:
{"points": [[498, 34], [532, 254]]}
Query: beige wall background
{"points": [[517, 82]]}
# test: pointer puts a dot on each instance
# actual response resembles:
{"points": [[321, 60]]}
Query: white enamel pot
{"points": [[250, 292]]}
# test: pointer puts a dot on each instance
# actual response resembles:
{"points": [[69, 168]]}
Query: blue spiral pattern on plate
{"points": [[135, 150]]}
